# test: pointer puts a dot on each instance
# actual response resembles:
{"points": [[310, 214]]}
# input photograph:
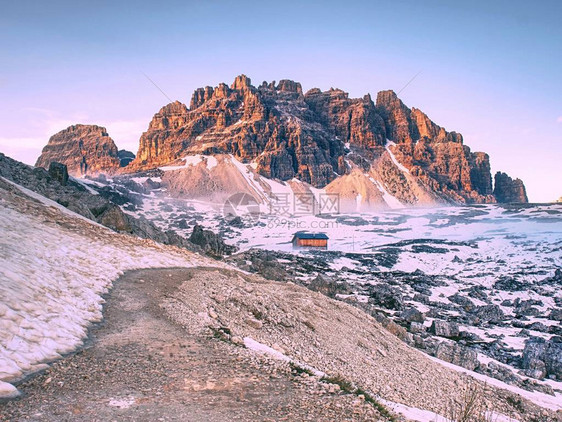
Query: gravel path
{"points": [[140, 366]]}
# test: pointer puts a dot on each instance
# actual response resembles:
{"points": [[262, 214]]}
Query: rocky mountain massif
{"points": [[355, 147]]}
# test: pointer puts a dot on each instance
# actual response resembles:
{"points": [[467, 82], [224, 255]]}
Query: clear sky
{"points": [[491, 70]]}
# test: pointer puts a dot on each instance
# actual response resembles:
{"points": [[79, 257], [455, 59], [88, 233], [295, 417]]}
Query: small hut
{"points": [[310, 240]]}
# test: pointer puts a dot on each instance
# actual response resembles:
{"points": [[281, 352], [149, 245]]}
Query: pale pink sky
{"points": [[490, 70]]}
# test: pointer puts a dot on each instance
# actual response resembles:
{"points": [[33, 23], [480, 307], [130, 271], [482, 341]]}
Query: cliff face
{"points": [[271, 124], [85, 149], [437, 157], [508, 190]]}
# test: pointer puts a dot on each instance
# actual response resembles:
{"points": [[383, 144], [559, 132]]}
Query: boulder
{"points": [[445, 329], [555, 314], [114, 218], [457, 355], [417, 327], [543, 358], [465, 303], [526, 307], [411, 315]]}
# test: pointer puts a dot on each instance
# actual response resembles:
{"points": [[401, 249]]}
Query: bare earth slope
{"points": [[140, 366]]}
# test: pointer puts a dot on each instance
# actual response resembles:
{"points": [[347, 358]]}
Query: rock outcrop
{"points": [[210, 242], [543, 358], [59, 172], [84, 149], [508, 190], [437, 157]]}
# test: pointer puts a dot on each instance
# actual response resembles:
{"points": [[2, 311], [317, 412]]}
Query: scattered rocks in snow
{"points": [[466, 304], [386, 296], [489, 314], [328, 286]]}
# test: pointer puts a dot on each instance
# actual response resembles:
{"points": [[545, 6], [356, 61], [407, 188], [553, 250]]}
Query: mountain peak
{"points": [[85, 149], [287, 85], [241, 82], [387, 97]]}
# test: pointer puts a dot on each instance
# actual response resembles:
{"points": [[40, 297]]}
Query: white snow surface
{"points": [[7, 390], [261, 348], [390, 200], [52, 278], [414, 414], [122, 403]]}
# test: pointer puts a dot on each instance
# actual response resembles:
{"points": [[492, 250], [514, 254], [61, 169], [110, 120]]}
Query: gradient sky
{"points": [[491, 70]]}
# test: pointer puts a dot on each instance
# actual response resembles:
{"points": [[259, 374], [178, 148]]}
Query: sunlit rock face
{"points": [[84, 149]]}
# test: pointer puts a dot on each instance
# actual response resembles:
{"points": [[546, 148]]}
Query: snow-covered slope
{"points": [[54, 268], [214, 178]]}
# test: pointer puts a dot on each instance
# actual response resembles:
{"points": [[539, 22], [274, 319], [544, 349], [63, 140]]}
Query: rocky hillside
{"points": [[85, 149], [104, 204]]}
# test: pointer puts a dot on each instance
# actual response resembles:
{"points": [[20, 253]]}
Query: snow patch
{"points": [[123, 403], [390, 200], [540, 399], [193, 160], [393, 158], [261, 348], [8, 391]]}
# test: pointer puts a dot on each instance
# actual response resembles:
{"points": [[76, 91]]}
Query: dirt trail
{"points": [[140, 366]]}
